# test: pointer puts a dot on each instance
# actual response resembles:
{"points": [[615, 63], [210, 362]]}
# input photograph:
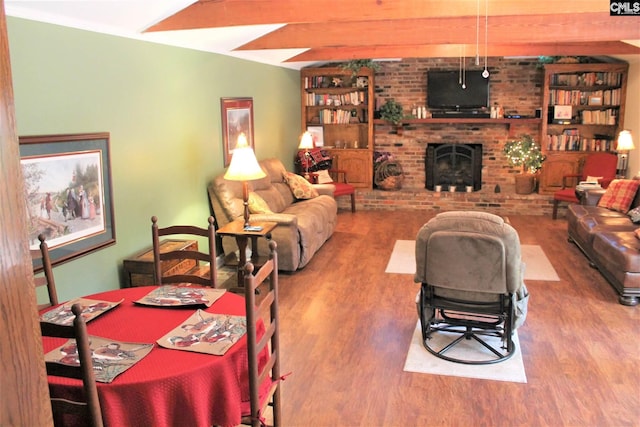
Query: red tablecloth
{"points": [[167, 387]]}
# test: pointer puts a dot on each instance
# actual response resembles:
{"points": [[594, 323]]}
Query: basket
{"points": [[388, 176]]}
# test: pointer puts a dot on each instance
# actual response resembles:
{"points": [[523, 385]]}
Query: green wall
{"points": [[161, 105]]}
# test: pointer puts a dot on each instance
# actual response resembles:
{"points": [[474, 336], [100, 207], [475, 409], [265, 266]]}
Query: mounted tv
{"points": [[444, 91]]}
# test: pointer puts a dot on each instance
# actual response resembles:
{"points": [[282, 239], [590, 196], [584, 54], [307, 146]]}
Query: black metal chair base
{"points": [[500, 354]]}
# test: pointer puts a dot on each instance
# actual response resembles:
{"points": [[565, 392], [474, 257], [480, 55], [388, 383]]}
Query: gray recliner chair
{"points": [[471, 273]]}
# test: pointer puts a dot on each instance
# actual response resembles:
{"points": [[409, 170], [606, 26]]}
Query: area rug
{"points": [[538, 266], [421, 361]]}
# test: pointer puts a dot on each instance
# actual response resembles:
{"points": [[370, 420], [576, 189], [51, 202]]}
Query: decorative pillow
{"points": [[593, 178], [634, 214], [619, 195], [324, 177], [257, 205], [637, 232], [300, 187]]}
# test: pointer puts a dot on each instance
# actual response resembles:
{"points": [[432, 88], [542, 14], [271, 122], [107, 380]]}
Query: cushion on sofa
{"points": [[257, 205], [634, 214], [300, 187], [619, 195]]}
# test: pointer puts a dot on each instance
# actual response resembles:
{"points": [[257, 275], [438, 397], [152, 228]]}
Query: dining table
{"points": [[167, 387]]}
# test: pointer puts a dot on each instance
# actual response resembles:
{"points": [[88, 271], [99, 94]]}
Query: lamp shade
{"points": [[306, 141], [244, 165], [625, 141]]}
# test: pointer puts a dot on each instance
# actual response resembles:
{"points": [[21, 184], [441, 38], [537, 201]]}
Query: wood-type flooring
{"points": [[346, 327]]}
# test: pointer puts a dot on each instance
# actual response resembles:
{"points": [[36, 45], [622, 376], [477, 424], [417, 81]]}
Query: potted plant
{"points": [[356, 64], [391, 111], [525, 153]]}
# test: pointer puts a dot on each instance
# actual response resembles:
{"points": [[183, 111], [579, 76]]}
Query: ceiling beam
{"points": [[455, 50], [586, 27], [214, 14]]}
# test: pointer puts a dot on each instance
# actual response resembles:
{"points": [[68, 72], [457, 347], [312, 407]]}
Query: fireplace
{"points": [[453, 165]]}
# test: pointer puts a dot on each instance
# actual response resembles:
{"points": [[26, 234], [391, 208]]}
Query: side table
{"points": [[242, 236], [139, 270]]}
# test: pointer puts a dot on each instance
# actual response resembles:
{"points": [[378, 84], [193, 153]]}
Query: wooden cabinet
{"points": [[139, 269], [342, 106], [582, 112]]}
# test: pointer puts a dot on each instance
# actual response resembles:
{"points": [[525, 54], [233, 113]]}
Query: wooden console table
{"points": [[139, 271], [242, 236]]}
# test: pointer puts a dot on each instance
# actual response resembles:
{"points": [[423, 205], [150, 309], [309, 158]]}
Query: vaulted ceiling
{"points": [[296, 33]]}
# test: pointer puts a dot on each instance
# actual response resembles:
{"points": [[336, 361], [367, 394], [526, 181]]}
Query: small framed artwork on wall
{"points": [[237, 118]]}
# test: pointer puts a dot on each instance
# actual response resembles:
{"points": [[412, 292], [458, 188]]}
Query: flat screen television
{"points": [[444, 91]]}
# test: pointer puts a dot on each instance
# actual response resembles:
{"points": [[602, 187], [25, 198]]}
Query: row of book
{"points": [[335, 116], [575, 143], [313, 82], [599, 117], [578, 97], [351, 98], [587, 79]]}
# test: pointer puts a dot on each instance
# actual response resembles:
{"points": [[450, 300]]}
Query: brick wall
{"points": [[515, 84]]}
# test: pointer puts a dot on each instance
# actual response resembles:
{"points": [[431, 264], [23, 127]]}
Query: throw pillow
{"points": [[257, 205], [637, 232], [634, 214], [324, 177], [619, 195], [300, 187]]}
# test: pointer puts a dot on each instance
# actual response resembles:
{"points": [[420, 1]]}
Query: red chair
{"points": [[598, 164], [343, 188]]}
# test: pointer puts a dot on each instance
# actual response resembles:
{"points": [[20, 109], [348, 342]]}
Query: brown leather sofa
{"points": [[303, 225], [609, 241]]}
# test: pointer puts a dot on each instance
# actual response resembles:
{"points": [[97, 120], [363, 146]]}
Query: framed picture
{"points": [[595, 100], [317, 133], [562, 112], [237, 118], [68, 193]]}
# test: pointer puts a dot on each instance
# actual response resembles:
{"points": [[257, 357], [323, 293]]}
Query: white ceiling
{"points": [[129, 18]]}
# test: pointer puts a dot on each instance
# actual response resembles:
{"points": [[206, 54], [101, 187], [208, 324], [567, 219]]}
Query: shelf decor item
{"points": [[524, 152], [391, 111], [355, 65]]}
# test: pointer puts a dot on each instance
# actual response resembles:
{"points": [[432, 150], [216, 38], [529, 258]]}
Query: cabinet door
{"points": [[357, 163], [555, 167]]}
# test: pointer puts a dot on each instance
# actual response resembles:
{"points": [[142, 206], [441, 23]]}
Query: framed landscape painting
{"points": [[68, 193], [237, 118]]}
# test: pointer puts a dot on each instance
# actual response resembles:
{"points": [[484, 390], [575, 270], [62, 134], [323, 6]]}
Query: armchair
{"points": [[600, 165], [470, 270]]}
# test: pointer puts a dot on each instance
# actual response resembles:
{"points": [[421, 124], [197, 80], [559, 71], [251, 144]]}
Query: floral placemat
{"points": [[62, 315], [206, 332], [110, 358], [171, 296]]}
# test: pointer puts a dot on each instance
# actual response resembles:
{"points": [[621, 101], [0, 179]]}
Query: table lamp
{"points": [[625, 144], [244, 167], [306, 143]]}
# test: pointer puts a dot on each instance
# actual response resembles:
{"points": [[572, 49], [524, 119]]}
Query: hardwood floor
{"points": [[346, 327]]}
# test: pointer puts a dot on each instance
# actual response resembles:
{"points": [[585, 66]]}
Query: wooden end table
{"points": [[242, 236]]}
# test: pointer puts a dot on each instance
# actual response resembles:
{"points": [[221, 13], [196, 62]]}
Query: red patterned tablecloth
{"points": [[167, 387]]}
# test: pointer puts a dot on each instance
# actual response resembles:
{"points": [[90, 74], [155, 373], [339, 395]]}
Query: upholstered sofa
{"points": [[608, 238], [303, 225]]}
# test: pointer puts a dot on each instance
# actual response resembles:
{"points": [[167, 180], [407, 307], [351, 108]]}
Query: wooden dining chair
{"points": [[203, 271], [43, 276], [263, 351], [86, 411]]}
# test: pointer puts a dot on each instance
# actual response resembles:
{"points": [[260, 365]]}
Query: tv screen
{"points": [[445, 92]]}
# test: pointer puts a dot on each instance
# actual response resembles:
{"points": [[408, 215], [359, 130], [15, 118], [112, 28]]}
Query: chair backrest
{"points": [[469, 251], [86, 411], [201, 274], [44, 277], [265, 347], [600, 164]]}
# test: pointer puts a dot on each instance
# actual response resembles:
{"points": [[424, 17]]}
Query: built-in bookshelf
{"points": [[339, 106], [582, 112]]}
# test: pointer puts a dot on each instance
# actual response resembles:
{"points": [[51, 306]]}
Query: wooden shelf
{"points": [[511, 123]]}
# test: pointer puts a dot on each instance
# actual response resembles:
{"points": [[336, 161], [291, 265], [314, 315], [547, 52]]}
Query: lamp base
{"points": [[245, 202]]}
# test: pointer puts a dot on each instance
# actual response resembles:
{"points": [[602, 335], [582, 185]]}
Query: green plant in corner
{"points": [[392, 112], [356, 64], [524, 152]]}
